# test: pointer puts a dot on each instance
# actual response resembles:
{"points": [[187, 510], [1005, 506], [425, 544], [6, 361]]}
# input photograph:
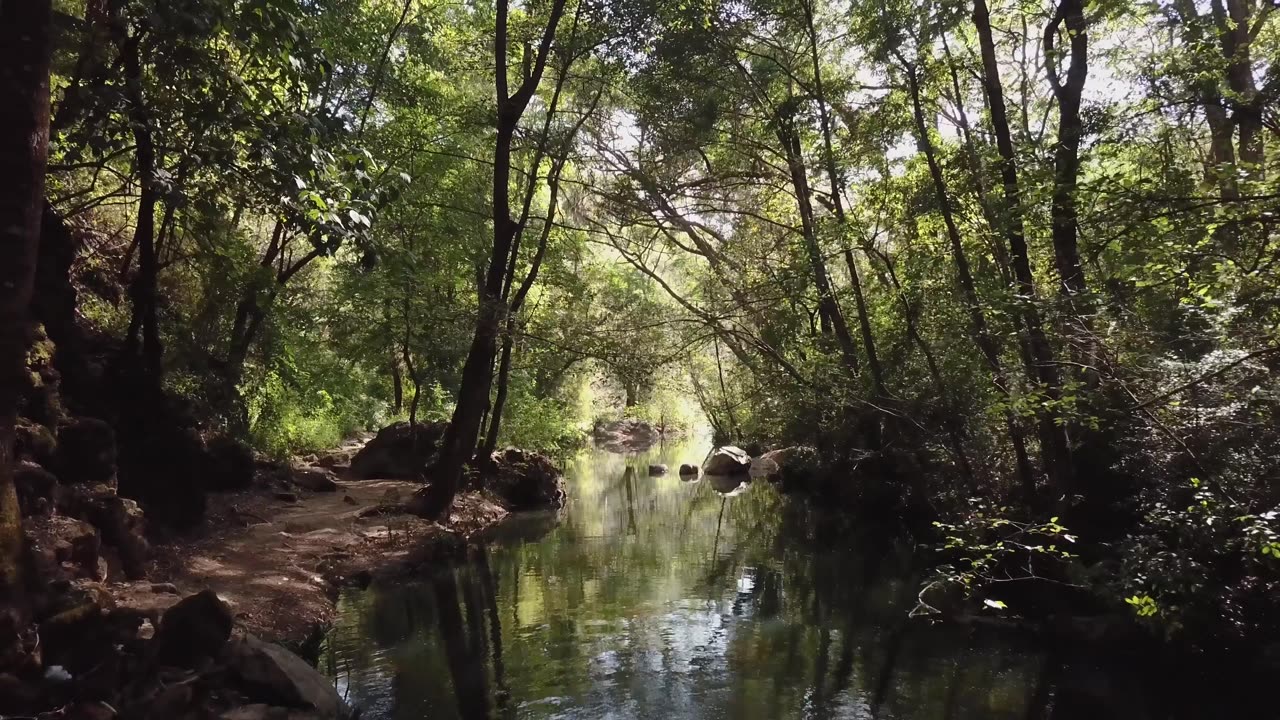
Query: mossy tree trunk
{"points": [[25, 43]]}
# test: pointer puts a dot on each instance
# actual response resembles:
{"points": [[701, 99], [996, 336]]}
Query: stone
{"points": [[315, 479], [398, 451], [261, 711], [37, 489], [120, 520], [197, 627], [229, 464], [349, 500], [790, 465], [727, 460], [655, 470], [270, 673], [86, 452], [687, 470], [69, 540], [35, 442], [525, 480], [165, 588], [285, 496]]}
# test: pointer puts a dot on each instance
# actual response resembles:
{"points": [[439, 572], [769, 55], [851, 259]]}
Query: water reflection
{"points": [[661, 598]]}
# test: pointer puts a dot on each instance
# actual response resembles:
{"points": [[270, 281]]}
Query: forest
{"points": [[1002, 277]]}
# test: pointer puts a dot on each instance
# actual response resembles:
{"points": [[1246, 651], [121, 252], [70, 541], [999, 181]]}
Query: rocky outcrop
{"points": [[37, 489], [727, 460], [120, 521], [524, 480], [398, 451]]}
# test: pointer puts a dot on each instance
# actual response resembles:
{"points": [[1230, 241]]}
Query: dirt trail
{"points": [[280, 563]]}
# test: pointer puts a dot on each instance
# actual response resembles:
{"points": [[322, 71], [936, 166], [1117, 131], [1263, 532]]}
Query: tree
{"points": [[25, 50]]}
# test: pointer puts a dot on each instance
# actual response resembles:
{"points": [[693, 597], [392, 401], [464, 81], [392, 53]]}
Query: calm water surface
{"points": [[657, 598]]}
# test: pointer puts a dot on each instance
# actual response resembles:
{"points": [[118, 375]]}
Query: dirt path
{"points": [[279, 562]]}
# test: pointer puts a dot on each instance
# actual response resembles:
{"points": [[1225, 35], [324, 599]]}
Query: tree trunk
{"points": [[25, 48], [981, 332], [142, 290], [1066, 154], [500, 398], [1043, 369], [837, 204], [459, 442]]}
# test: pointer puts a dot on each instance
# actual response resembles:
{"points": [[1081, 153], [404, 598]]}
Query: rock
{"points": [[261, 711], [398, 451], [165, 588], [315, 479], [197, 627], [655, 470], [86, 452], [67, 540], [230, 464], [789, 465], [286, 496], [36, 487], [35, 442], [525, 480], [686, 470], [272, 674], [349, 500], [120, 521], [727, 460], [17, 697], [89, 711]]}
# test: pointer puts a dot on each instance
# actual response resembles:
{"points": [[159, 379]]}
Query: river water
{"points": [[656, 598]]}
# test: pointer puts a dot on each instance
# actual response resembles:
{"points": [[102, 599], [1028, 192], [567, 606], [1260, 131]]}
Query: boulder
{"points": [[272, 674], [789, 465], [229, 464], [120, 521], [35, 442], [727, 460], [525, 480], [86, 452], [687, 470], [37, 489], [655, 470], [315, 479], [729, 485], [67, 541], [398, 451], [260, 711], [199, 626]]}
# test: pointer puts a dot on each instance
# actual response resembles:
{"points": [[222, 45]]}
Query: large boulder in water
{"points": [[398, 451], [525, 480], [727, 460]]}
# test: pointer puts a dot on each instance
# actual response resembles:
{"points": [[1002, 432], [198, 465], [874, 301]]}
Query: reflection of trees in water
{"points": [[673, 600]]}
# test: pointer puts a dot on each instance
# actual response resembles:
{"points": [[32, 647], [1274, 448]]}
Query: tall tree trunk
{"points": [[500, 398], [1066, 153], [968, 289], [831, 315], [1043, 369], [142, 291], [25, 48], [472, 400], [837, 204]]}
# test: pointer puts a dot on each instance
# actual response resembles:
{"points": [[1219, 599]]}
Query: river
{"points": [[656, 598]]}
